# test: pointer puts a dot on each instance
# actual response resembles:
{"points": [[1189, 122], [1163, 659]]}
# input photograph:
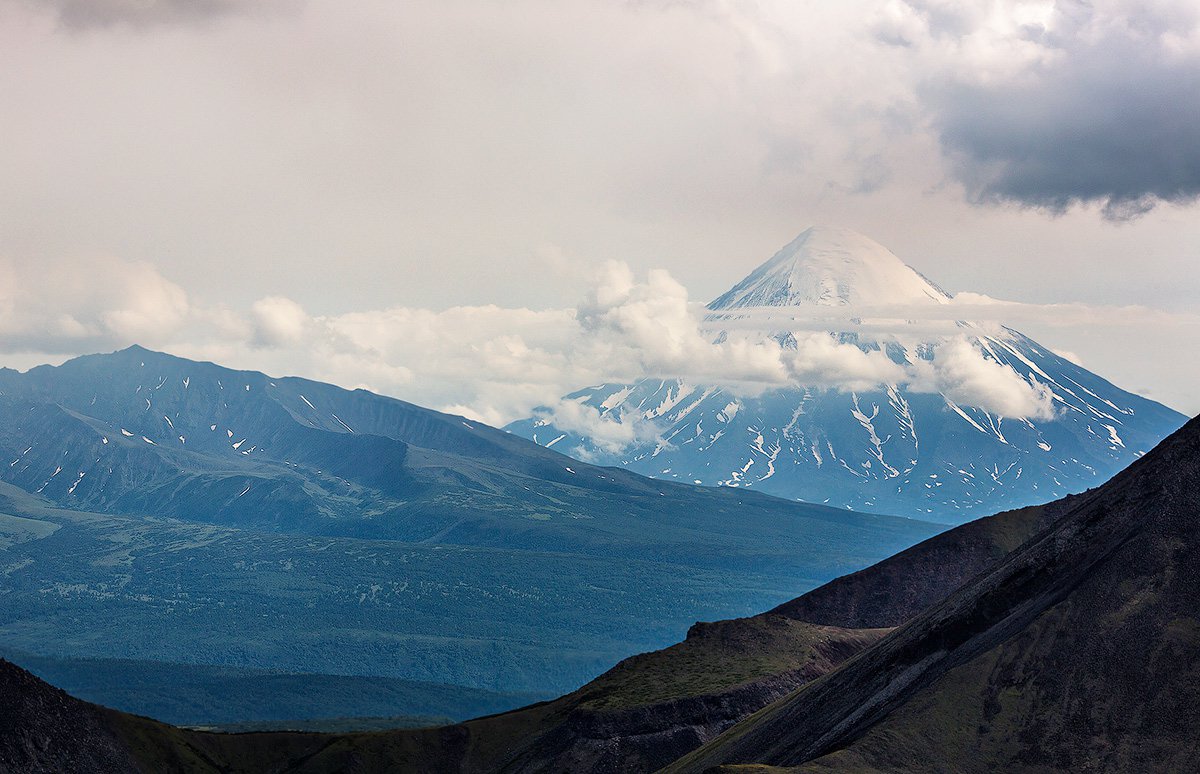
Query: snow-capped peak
{"points": [[831, 266]]}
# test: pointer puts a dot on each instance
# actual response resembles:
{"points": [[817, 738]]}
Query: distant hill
{"points": [[138, 432], [159, 509], [256, 699]]}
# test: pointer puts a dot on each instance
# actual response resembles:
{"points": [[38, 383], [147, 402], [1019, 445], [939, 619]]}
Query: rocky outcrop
{"points": [[647, 738]]}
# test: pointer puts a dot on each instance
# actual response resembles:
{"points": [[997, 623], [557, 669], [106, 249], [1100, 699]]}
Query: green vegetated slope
{"points": [[1078, 651], [166, 510], [164, 590]]}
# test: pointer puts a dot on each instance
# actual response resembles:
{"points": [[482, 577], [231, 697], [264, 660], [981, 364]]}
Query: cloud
{"points": [[943, 320], [87, 14], [333, 157], [1101, 106], [819, 360], [965, 376], [651, 328], [391, 137], [958, 369], [609, 432], [492, 363], [95, 301], [279, 322], [497, 364]]}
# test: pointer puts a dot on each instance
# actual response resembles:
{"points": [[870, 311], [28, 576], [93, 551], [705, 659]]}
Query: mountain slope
{"points": [[653, 708], [1076, 651], [42, 729], [203, 695], [159, 509], [140, 432], [899, 447]]}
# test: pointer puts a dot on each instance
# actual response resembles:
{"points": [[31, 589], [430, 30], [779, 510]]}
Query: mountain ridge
{"points": [[394, 445], [1034, 663], [148, 493]]}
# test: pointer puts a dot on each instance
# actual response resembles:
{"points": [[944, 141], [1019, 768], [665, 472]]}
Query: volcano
{"points": [[969, 417]]}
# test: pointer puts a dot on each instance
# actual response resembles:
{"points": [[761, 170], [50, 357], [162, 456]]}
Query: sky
{"points": [[480, 206]]}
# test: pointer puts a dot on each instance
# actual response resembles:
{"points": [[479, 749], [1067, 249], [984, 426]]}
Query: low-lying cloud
{"points": [[965, 376], [98, 301], [493, 363], [609, 432]]}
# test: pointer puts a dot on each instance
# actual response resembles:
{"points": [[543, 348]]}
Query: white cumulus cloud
{"points": [[965, 376]]}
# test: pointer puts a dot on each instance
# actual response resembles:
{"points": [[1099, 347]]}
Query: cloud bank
{"points": [[491, 363], [333, 153]]}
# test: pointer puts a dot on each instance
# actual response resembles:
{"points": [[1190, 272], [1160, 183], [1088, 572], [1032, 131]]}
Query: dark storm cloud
{"points": [[1111, 121], [87, 14]]}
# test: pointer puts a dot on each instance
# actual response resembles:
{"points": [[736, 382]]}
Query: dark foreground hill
{"points": [[1078, 651]]}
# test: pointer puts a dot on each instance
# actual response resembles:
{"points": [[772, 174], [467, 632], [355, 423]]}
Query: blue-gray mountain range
{"points": [[157, 509]]}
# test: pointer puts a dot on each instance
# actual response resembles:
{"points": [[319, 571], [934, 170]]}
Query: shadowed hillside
{"points": [[1080, 650], [1054, 638]]}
